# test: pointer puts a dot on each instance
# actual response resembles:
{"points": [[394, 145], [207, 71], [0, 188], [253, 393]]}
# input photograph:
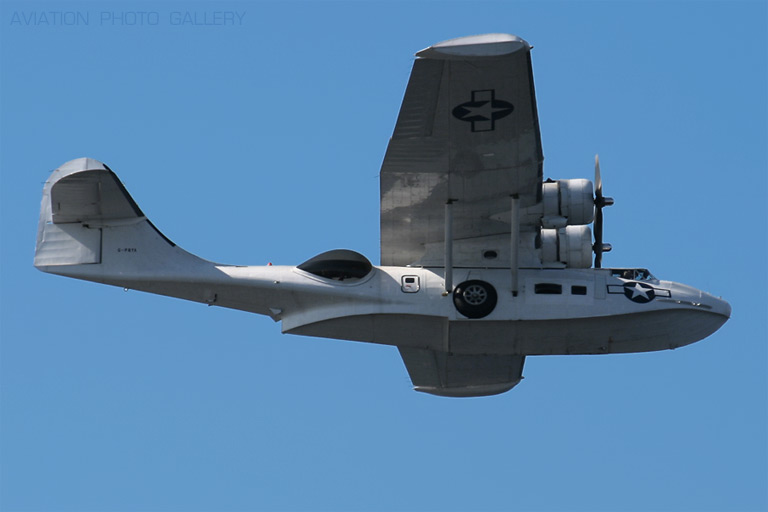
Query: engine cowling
{"points": [[571, 246], [567, 202]]}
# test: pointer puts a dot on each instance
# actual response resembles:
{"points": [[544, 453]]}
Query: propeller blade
{"points": [[598, 179], [598, 247], [600, 202]]}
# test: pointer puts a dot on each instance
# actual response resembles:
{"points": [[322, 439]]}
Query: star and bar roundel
{"points": [[483, 110], [642, 293]]}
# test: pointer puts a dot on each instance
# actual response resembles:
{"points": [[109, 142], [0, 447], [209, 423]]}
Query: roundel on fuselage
{"points": [[639, 292]]}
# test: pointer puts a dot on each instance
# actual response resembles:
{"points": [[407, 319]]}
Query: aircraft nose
{"points": [[715, 304], [720, 306]]}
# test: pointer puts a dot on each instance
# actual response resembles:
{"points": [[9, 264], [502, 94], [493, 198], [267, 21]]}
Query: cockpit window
{"points": [[633, 274]]}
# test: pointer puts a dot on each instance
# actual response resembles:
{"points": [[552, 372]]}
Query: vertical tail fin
{"points": [[90, 228], [80, 197]]}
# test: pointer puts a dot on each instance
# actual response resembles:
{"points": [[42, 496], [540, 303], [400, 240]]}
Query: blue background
{"points": [[261, 142]]}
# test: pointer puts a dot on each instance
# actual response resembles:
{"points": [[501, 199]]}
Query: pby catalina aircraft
{"points": [[482, 262]]}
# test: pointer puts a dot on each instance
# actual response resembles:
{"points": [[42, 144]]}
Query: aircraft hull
{"points": [[636, 332]]}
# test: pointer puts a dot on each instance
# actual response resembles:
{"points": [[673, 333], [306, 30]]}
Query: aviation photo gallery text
{"points": [[127, 18]]}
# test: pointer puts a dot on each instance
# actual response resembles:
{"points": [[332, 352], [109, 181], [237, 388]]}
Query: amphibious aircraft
{"points": [[482, 261]]}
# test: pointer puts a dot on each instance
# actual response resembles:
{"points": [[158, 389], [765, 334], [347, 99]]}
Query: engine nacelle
{"points": [[571, 245], [567, 202]]}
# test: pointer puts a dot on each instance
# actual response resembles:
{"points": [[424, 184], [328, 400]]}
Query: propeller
{"points": [[600, 202]]}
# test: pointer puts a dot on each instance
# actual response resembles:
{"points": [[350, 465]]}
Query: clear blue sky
{"points": [[261, 141]]}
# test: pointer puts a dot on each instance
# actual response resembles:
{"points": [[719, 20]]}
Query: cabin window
{"points": [[409, 284], [548, 289], [578, 290]]}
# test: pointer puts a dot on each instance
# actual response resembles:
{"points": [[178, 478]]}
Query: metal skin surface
{"points": [[494, 275], [376, 309]]}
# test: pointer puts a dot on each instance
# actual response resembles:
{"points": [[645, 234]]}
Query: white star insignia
{"points": [[638, 290]]}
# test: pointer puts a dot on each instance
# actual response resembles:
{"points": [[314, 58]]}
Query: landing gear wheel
{"points": [[474, 299]]}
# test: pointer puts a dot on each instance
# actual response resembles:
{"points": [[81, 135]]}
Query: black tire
{"points": [[475, 299]]}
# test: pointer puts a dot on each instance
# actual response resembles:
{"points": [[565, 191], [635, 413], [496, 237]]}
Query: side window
{"points": [[548, 288], [578, 290], [409, 284]]}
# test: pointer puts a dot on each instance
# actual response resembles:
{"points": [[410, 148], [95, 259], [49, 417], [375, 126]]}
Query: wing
{"points": [[467, 134], [443, 374]]}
